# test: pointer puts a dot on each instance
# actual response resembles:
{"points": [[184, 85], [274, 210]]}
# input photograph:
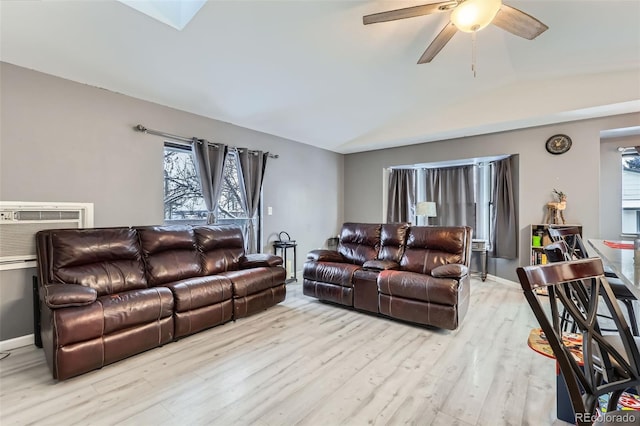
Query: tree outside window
{"points": [[183, 202]]}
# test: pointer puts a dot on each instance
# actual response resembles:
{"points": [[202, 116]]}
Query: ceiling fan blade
{"points": [[518, 23], [438, 43], [408, 12]]}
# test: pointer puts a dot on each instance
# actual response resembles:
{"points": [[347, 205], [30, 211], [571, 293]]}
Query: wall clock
{"points": [[558, 144]]}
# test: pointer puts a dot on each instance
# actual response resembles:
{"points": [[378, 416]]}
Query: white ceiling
{"points": [[310, 71]]}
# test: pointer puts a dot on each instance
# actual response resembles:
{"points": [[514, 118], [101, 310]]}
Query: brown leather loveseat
{"points": [[108, 293], [418, 274]]}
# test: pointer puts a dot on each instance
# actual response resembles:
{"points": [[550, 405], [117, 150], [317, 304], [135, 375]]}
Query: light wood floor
{"points": [[309, 363]]}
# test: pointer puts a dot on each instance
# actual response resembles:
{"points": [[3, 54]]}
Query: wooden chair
{"points": [[559, 252], [572, 237], [576, 249], [611, 361]]}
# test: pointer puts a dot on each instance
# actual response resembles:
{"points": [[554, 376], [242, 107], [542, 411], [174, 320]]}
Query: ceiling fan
{"points": [[468, 16]]}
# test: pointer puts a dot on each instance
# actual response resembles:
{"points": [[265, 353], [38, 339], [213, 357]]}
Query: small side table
{"points": [[283, 246], [480, 246]]}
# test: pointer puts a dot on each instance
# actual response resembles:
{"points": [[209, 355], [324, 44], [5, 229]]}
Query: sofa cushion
{"points": [[131, 308], [169, 253], [330, 272], [411, 285], [194, 293], [359, 242], [429, 246], [221, 247], [105, 259], [250, 281], [393, 237]]}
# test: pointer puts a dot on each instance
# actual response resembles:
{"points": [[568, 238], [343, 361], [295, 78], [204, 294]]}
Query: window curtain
{"points": [[401, 196], [252, 167], [504, 228], [209, 160], [452, 189]]}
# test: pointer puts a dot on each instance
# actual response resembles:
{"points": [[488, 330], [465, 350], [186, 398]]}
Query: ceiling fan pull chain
{"points": [[473, 53]]}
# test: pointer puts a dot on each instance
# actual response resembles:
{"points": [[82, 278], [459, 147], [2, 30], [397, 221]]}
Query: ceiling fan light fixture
{"points": [[474, 15]]}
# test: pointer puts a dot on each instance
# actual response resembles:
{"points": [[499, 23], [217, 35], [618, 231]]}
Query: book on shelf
{"points": [[538, 258]]}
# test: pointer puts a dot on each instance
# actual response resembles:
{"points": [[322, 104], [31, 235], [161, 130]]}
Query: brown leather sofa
{"points": [[418, 274], [108, 293]]}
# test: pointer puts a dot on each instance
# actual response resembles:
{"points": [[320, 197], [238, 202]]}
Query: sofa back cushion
{"points": [[105, 259], [220, 247], [393, 237], [431, 246], [169, 253], [359, 242]]}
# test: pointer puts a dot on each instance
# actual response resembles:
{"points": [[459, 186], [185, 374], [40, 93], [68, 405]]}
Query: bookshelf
{"points": [[537, 256]]}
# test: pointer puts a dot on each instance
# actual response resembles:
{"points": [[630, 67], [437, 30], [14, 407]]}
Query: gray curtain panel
{"points": [[401, 196], [252, 167], [504, 226], [209, 160], [452, 189]]}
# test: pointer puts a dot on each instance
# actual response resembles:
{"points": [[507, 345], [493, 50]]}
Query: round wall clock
{"points": [[558, 144]]}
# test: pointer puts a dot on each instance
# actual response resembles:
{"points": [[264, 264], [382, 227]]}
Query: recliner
{"points": [[418, 274], [95, 302], [109, 293]]}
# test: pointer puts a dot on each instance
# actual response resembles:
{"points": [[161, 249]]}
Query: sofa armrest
{"points": [[257, 260], [380, 265], [452, 270], [325, 256], [66, 295]]}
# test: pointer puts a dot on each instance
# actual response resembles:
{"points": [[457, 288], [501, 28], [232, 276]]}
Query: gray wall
{"points": [[577, 173], [65, 141]]}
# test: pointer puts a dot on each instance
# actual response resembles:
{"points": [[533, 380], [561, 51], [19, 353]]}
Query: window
{"points": [[484, 204], [483, 176], [182, 195], [183, 202], [630, 193]]}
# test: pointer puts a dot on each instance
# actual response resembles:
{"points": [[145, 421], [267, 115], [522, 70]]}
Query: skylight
{"points": [[176, 13]]}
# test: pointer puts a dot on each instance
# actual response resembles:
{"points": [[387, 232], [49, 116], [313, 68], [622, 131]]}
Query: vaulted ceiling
{"points": [[310, 71]]}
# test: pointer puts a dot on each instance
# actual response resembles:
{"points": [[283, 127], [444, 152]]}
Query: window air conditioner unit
{"points": [[20, 221]]}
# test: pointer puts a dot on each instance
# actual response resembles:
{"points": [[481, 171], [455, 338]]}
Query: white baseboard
{"points": [[18, 342]]}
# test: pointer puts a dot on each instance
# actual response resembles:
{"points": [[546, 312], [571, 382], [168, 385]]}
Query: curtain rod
{"points": [[141, 128]]}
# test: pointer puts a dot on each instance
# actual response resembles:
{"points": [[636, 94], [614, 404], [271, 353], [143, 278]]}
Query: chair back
{"points": [[611, 361], [557, 252], [571, 236]]}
